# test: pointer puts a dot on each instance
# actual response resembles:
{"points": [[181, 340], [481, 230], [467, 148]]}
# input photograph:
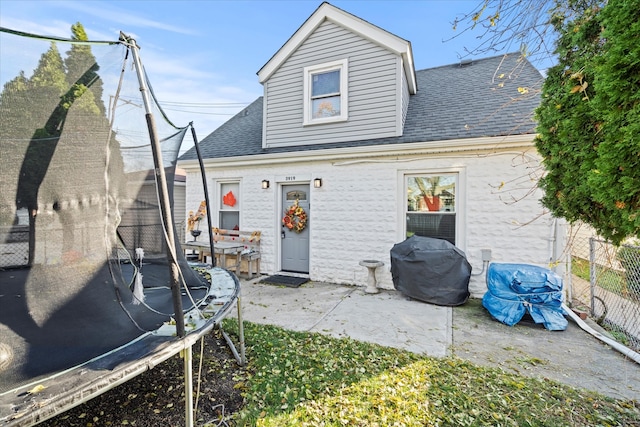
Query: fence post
{"points": [[569, 276], [592, 273]]}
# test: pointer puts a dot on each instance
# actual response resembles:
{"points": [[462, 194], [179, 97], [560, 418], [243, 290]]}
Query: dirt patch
{"points": [[156, 397]]}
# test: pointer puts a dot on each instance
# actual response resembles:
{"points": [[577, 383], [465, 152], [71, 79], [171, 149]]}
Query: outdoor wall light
{"points": [[265, 184], [317, 183]]}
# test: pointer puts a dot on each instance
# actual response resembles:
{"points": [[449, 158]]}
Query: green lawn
{"points": [[309, 379], [606, 278]]}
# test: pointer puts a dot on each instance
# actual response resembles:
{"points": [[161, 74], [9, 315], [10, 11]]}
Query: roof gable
{"points": [[363, 28], [485, 98]]}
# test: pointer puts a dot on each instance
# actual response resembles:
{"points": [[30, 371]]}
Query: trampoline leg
{"points": [[240, 358], [243, 359], [187, 356]]}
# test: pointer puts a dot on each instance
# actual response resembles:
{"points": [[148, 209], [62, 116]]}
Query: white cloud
{"points": [[55, 28], [109, 12]]}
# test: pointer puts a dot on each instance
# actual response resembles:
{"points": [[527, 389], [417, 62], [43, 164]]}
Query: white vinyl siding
{"points": [[405, 99], [179, 207], [374, 107]]}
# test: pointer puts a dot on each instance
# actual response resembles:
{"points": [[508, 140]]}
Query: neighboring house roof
{"points": [[357, 25], [485, 98]]}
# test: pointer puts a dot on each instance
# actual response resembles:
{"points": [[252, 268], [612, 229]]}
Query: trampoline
{"points": [[94, 286]]}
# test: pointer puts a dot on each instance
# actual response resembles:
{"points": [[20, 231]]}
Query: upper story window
{"points": [[325, 93]]}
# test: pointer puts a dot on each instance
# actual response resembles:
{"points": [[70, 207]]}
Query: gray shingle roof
{"points": [[489, 97]]}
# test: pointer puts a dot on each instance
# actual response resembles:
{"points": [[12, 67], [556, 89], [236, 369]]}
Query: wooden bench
{"points": [[249, 257]]}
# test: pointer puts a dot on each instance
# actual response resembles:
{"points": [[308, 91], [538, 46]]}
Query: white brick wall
{"points": [[359, 211]]}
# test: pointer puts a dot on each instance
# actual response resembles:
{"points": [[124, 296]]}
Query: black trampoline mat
{"points": [[44, 330]]}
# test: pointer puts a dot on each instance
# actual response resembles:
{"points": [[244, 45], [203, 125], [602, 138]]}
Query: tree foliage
{"points": [[26, 103], [565, 119], [589, 118], [82, 71], [616, 179]]}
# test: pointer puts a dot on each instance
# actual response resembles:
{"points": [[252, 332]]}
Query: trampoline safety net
{"points": [[80, 213]]}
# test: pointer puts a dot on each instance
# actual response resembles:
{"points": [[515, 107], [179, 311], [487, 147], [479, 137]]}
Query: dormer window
{"points": [[325, 93]]}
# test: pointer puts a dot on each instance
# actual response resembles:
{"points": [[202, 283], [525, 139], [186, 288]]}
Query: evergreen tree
{"points": [[566, 123], [14, 104], [41, 118], [615, 180], [43, 91], [588, 120], [82, 70]]}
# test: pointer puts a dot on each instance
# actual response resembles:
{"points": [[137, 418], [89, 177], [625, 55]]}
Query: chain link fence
{"points": [[14, 243], [605, 282], [14, 246]]}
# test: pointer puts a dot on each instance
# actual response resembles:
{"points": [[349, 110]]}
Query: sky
{"points": [[217, 47]]}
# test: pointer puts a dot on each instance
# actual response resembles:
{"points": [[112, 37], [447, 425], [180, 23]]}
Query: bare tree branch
{"points": [[511, 25]]}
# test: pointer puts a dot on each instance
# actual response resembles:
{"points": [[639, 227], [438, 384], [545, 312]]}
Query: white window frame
{"points": [[219, 205], [342, 66], [460, 200]]}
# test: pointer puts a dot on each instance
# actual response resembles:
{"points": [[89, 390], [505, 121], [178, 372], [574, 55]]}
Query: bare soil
{"points": [[156, 397]]}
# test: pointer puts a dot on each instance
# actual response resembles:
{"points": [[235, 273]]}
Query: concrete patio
{"points": [[388, 318]]}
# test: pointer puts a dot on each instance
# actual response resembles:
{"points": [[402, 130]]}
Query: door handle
{"points": [[282, 234]]}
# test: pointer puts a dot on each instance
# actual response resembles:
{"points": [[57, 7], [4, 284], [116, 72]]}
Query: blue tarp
{"points": [[514, 289]]}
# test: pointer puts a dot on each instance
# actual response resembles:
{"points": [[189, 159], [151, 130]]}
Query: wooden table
{"points": [[220, 248]]}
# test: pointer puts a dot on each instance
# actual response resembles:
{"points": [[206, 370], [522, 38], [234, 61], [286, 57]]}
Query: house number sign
{"points": [[293, 178]]}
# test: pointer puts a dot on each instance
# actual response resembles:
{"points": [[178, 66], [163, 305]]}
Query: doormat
{"points": [[290, 281]]}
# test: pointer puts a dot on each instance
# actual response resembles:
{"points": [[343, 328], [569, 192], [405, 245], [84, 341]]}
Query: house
{"points": [[374, 151]]}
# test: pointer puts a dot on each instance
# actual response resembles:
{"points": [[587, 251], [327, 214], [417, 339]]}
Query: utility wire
{"points": [[207, 104], [199, 112]]}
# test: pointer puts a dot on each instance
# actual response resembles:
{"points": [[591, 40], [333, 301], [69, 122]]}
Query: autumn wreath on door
{"points": [[295, 218]]}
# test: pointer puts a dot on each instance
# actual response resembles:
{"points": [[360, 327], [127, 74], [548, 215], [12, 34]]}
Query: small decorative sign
{"points": [[229, 199]]}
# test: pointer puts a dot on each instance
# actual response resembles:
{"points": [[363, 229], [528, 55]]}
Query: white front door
{"points": [[295, 242]]}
